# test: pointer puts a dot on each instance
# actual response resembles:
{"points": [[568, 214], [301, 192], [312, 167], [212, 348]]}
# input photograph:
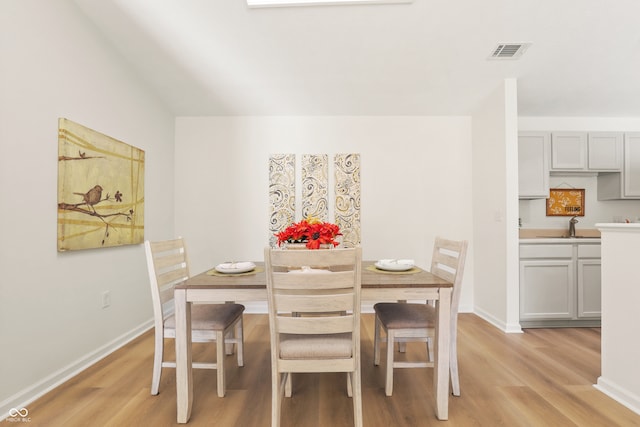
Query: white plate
{"points": [[235, 267], [395, 264]]}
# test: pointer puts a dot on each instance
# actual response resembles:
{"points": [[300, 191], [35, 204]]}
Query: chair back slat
{"points": [[309, 258], [315, 325], [317, 303], [313, 280]]}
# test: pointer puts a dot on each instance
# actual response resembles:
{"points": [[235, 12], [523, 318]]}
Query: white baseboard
{"points": [[26, 396], [619, 394], [508, 328]]}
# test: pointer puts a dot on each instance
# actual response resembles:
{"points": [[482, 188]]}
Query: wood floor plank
{"points": [[543, 377]]}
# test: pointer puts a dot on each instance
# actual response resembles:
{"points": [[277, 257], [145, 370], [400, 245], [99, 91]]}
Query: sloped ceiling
{"points": [[430, 57]]}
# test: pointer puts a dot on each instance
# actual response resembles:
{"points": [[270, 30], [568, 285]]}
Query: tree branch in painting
{"points": [[90, 199]]}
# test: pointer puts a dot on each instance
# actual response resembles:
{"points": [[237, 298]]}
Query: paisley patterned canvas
{"points": [[315, 185], [347, 194], [282, 193], [315, 200]]}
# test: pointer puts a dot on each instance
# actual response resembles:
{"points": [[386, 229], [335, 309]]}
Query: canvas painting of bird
{"points": [[100, 189]]}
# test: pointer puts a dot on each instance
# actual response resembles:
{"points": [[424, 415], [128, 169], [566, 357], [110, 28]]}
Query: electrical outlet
{"points": [[106, 299]]}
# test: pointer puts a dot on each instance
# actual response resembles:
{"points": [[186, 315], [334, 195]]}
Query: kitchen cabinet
{"points": [[589, 281], [568, 151], [625, 184], [586, 152], [605, 151], [559, 283], [533, 165]]}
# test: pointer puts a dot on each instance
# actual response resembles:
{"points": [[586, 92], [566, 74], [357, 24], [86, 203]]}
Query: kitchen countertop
{"points": [[542, 240], [534, 235]]}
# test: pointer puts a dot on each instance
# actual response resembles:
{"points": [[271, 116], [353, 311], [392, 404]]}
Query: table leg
{"points": [[442, 343], [184, 374]]}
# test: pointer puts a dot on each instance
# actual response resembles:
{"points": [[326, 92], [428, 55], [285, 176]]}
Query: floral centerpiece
{"points": [[310, 231]]}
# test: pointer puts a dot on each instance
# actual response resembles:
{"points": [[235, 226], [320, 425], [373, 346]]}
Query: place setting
{"points": [[394, 266], [235, 268]]}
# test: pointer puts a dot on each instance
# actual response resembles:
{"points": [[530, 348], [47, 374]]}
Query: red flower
{"points": [[311, 231]]}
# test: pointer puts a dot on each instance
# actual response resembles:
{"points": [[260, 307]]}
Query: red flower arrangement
{"points": [[311, 231]]}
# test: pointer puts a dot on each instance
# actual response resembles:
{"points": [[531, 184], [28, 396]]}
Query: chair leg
{"points": [[240, 342], [430, 349], [349, 384], [220, 354], [277, 385], [453, 368], [388, 387], [228, 347], [376, 342], [288, 385], [357, 397], [157, 361]]}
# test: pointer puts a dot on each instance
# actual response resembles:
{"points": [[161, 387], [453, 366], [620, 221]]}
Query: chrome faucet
{"points": [[572, 227]]}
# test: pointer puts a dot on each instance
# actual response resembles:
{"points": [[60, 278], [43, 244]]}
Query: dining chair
{"points": [[325, 282], [405, 322], [168, 266]]}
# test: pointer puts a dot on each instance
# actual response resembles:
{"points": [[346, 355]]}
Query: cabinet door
{"points": [[605, 151], [589, 293], [632, 165], [547, 289], [569, 151], [533, 165]]}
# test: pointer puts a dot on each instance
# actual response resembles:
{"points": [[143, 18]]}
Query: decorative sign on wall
{"points": [[100, 190], [315, 173], [282, 193], [315, 192], [565, 202], [347, 191]]}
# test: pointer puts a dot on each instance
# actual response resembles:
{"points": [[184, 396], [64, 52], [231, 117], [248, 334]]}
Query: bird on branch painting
{"points": [[91, 198]]}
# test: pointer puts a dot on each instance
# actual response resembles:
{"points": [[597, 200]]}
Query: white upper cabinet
{"points": [[631, 174], [533, 165], [625, 184], [586, 152], [604, 151], [569, 151]]}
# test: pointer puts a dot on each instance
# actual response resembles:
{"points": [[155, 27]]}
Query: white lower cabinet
{"points": [[559, 285]]}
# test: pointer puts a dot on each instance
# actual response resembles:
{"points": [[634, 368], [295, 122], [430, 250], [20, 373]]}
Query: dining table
{"points": [[376, 286]]}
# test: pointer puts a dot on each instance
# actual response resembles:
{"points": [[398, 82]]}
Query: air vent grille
{"points": [[509, 50]]}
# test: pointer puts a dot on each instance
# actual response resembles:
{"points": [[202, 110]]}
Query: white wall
{"points": [[495, 210], [620, 329], [533, 212], [51, 321], [416, 182]]}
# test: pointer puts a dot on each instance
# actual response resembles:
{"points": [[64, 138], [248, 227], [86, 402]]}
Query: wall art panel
{"points": [[347, 197], [315, 172], [100, 189], [282, 193]]}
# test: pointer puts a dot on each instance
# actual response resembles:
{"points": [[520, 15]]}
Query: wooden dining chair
{"points": [[405, 322], [326, 282], [168, 266]]}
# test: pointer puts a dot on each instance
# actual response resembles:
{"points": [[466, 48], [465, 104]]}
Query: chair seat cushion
{"points": [[211, 317], [405, 316], [326, 346]]}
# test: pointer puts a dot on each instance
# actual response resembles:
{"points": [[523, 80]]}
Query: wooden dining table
{"points": [[377, 286]]}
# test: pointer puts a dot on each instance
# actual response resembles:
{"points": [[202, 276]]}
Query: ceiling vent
{"points": [[509, 50]]}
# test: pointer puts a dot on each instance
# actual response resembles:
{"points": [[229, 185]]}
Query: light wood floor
{"points": [[543, 377]]}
